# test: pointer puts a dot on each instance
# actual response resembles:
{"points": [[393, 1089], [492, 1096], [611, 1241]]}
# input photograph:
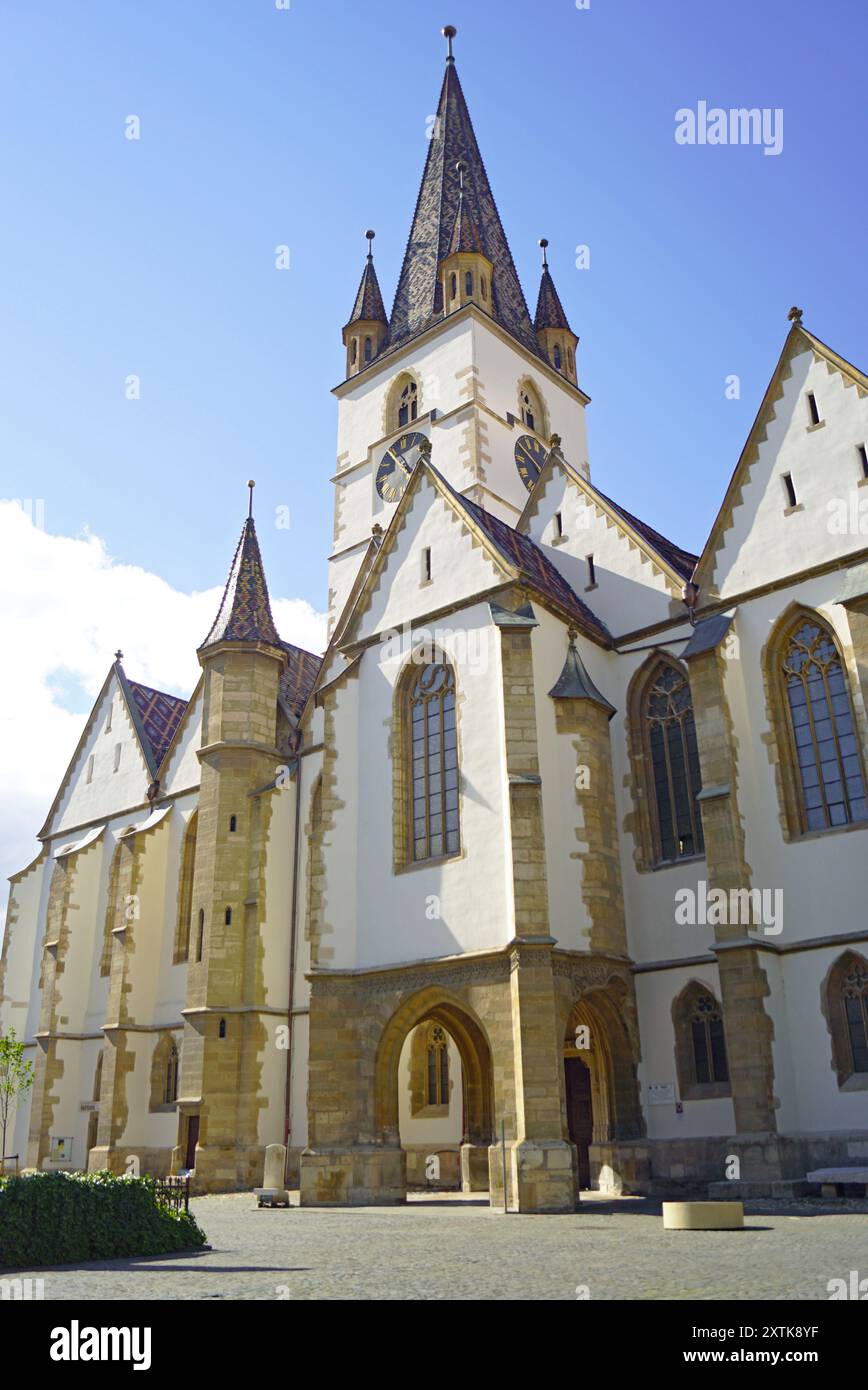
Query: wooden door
{"points": [[192, 1141], [580, 1114]]}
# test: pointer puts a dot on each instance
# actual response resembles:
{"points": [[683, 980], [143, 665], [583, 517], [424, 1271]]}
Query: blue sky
{"points": [[262, 127]]}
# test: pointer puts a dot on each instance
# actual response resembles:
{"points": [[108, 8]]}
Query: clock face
{"points": [[396, 465], [530, 456]]}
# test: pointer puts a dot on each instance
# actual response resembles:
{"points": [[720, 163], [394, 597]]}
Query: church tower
{"points": [[458, 364], [226, 1027]]}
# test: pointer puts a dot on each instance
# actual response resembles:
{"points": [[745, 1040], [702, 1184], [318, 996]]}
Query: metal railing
{"points": [[174, 1192]]}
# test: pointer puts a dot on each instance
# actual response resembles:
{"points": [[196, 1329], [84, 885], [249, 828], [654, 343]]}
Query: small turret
{"points": [[465, 270], [556, 338], [368, 326]]}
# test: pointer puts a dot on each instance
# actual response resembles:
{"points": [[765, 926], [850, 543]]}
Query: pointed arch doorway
{"points": [[601, 1100]]}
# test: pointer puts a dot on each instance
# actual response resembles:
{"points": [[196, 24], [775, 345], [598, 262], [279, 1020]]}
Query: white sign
{"points": [[661, 1093]]}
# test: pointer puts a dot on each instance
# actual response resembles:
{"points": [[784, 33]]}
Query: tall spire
{"points": [[245, 611], [419, 296]]}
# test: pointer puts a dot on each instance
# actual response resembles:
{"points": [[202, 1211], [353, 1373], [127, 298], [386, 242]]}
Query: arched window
{"points": [[430, 720], [453, 286], [222, 1028], [483, 286], [468, 282], [570, 358], [437, 1073], [227, 917], [824, 757], [368, 350], [845, 1005], [408, 404], [200, 936], [185, 891], [170, 1091], [165, 1071], [354, 350], [700, 1044], [557, 357], [531, 408], [672, 764]]}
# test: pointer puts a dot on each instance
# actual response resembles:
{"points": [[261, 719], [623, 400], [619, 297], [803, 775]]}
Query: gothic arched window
{"points": [[824, 750], [430, 718], [453, 286], [368, 350], [437, 1060], [700, 1044], [185, 891], [531, 408], [408, 404], [170, 1090], [845, 1005], [673, 764], [468, 282], [557, 356]]}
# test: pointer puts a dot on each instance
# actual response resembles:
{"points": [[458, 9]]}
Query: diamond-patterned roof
{"points": [[299, 678], [159, 717], [534, 565], [369, 301], [245, 611], [549, 310], [418, 298]]}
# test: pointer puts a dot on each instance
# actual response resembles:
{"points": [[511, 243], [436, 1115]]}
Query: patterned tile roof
{"points": [[159, 717], [245, 612], [464, 237], [369, 301], [549, 310], [299, 678], [418, 298], [525, 555], [682, 561]]}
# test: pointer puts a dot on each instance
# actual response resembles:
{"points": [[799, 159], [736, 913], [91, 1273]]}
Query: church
{"points": [[548, 874]]}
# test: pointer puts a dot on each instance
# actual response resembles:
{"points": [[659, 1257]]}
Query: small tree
{"points": [[16, 1078]]}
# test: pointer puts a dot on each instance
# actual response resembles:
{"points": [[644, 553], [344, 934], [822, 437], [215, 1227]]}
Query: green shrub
{"points": [[63, 1218]]}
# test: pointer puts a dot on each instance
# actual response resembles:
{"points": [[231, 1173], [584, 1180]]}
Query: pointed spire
{"points": [[549, 310], [574, 683], [418, 298], [368, 306], [245, 611]]}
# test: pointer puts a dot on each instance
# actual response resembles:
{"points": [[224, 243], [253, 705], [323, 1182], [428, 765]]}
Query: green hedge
{"points": [[63, 1218]]}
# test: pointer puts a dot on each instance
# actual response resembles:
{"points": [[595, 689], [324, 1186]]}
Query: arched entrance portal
{"points": [[601, 1099], [434, 1071]]}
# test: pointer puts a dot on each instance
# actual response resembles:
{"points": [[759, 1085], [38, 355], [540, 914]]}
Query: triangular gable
{"points": [[179, 768], [142, 774], [666, 558], [798, 341]]}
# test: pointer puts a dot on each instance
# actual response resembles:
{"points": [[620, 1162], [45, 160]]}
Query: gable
{"points": [[118, 775], [633, 589], [461, 567], [759, 536], [181, 769]]}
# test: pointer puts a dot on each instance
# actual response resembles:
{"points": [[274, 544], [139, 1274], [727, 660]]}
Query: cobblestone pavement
{"points": [[452, 1248]]}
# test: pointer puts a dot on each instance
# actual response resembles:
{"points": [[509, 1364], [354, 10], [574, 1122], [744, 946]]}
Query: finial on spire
{"points": [[461, 169], [370, 237], [251, 485], [449, 31], [543, 243], [795, 315], [119, 655]]}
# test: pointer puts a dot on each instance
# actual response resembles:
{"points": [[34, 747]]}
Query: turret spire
{"points": [[367, 326], [556, 339], [245, 610]]}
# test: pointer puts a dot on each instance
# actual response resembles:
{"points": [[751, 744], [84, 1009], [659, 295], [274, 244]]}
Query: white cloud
{"points": [[65, 606]]}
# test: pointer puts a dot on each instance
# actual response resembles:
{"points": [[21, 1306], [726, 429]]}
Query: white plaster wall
{"points": [[763, 543], [821, 1105], [631, 590], [655, 994], [83, 801], [182, 771]]}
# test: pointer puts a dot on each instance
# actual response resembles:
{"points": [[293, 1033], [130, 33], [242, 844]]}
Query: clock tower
{"points": [[459, 367]]}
